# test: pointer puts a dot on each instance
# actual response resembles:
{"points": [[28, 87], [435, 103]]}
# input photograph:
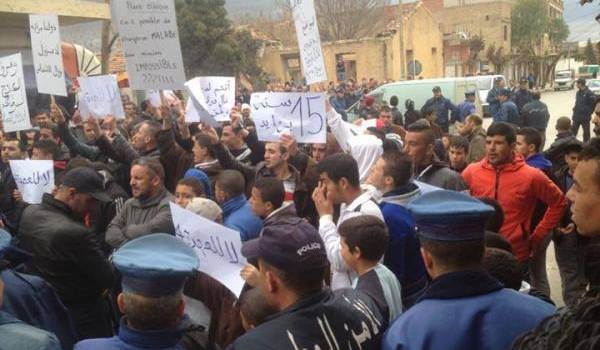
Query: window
{"points": [[433, 51], [505, 32], [487, 17]]}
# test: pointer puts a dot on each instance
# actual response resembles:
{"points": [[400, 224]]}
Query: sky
{"points": [[579, 18]]}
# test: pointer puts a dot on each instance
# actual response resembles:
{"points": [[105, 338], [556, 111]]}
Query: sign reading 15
{"points": [[300, 109]]}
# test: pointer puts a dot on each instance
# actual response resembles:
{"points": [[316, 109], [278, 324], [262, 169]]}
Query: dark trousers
{"points": [[585, 125], [91, 319], [570, 257], [538, 276]]}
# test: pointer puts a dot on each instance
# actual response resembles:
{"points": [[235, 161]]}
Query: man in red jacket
{"points": [[504, 176]]}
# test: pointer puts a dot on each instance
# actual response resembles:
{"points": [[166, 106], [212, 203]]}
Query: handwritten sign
{"points": [[148, 31], [33, 178], [218, 247], [153, 96], [299, 114], [99, 97], [216, 95], [47, 54], [309, 41], [13, 98]]}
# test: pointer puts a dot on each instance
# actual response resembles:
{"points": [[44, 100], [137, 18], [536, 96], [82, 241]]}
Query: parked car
{"points": [[564, 79], [420, 91], [594, 85]]}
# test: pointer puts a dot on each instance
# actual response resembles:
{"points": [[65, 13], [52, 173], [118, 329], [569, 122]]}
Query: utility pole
{"points": [[402, 51]]}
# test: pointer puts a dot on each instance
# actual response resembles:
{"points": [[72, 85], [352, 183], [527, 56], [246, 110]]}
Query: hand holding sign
{"points": [[100, 96], [299, 114], [218, 247], [13, 99], [33, 178]]}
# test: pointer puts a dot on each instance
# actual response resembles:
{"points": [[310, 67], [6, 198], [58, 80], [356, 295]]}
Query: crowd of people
{"points": [[424, 231]]}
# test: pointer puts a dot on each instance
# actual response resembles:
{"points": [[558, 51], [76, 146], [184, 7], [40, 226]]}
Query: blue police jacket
{"points": [[466, 310], [442, 107], [17, 335], [130, 339], [508, 113], [465, 109], [238, 215]]}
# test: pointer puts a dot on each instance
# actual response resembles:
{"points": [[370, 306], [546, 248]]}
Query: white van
{"points": [[420, 91]]}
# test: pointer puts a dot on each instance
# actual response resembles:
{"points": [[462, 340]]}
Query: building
{"points": [[410, 45], [14, 25], [462, 21]]}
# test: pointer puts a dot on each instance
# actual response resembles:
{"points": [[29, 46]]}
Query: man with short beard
{"points": [[148, 211]]}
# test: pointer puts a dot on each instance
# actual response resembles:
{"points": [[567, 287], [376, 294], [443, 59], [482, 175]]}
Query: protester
{"points": [[339, 185], [154, 269], [391, 177], [442, 107], [583, 109], [419, 145], [15, 334], [205, 208], [254, 309], [364, 240], [492, 98], [148, 211], [292, 265], [457, 153], [474, 132], [65, 252], [396, 114], [522, 96], [411, 115], [570, 246], [237, 212], [188, 189], [12, 149], [268, 203], [504, 176], [451, 232], [555, 153], [535, 114], [508, 111]]}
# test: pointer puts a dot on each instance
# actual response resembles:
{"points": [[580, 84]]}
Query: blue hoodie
{"points": [[238, 215], [538, 161], [403, 256]]}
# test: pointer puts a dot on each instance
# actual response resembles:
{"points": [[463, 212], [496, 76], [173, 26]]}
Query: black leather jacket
{"points": [[65, 252]]}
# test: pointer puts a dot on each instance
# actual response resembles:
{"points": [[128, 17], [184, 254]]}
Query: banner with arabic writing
{"points": [[47, 54]]}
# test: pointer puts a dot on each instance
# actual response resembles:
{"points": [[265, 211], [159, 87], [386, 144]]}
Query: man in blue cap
{"points": [[464, 307], [154, 269], [466, 108], [292, 263], [14, 334]]}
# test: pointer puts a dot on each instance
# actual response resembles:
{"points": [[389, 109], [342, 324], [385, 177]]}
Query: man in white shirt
{"points": [[339, 184]]}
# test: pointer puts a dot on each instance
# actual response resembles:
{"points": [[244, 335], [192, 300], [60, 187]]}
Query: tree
{"points": [[536, 36], [589, 54], [209, 45], [497, 57], [476, 45], [343, 19]]}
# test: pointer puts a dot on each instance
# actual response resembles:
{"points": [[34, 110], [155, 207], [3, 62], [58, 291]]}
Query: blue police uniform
{"points": [[14, 333], [463, 309], [152, 266]]}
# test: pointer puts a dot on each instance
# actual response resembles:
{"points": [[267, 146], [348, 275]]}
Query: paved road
{"points": [[560, 104]]}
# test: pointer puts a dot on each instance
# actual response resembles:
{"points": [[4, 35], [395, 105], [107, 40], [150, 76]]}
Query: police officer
{"points": [[292, 263], [154, 269], [14, 334], [442, 107], [467, 107], [464, 307]]}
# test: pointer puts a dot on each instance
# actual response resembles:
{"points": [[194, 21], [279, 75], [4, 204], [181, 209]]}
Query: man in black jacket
{"points": [[292, 262], [66, 253], [584, 106]]}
